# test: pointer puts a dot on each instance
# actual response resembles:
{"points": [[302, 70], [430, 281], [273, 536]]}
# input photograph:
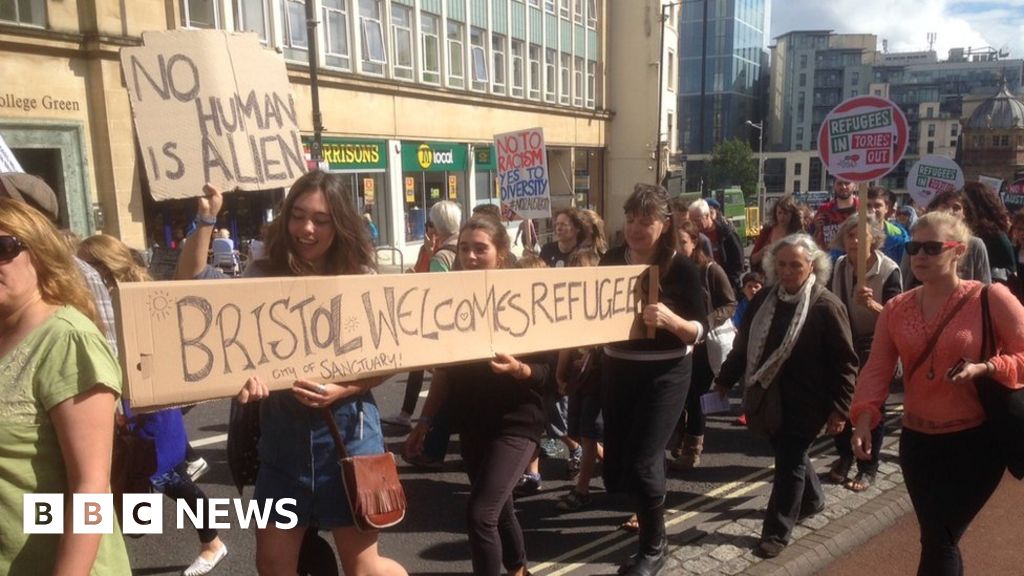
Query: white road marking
{"points": [[209, 440]]}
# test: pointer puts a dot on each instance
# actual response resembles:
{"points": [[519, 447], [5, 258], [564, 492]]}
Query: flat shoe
{"points": [[861, 482], [201, 566]]}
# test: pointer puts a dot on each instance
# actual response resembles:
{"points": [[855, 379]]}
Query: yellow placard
{"points": [[368, 190], [453, 187]]}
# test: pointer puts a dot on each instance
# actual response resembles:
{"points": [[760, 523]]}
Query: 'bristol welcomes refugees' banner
{"points": [[185, 342], [523, 174], [212, 106]]}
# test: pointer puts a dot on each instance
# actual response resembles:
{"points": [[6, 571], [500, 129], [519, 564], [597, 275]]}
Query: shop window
{"points": [[456, 56], [194, 13], [401, 30], [251, 16], [550, 75], [592, 14], [577, 82], [294, 18], [591, 84], [479, 58], [498, 53], [518, 68], [430, 30], [535, 77], [565, 76], [374, 56], [336, 49]]}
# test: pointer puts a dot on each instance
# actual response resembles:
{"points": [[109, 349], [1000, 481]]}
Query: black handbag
{"points": [[243, 443], [1004, 408]]}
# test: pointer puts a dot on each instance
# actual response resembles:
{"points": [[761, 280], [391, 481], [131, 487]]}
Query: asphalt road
{"points": [[432, 541]]}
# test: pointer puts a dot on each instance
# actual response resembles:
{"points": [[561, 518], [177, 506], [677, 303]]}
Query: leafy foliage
{"points": [[733, 164]]}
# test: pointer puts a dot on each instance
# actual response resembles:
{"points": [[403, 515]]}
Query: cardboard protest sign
{"points": [[1013, 196], [8, 163], [523, 174], [931, 176], [212, 106], [185, 342], [863, 138]]}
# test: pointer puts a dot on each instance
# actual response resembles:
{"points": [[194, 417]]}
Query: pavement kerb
{"points": [[814, 552]]}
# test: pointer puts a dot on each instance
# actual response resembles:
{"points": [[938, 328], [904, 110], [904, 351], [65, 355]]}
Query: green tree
{"points": [[733, 164]]}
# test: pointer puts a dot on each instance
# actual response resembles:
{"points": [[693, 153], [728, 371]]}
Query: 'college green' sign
{"points": [[433, 156], [348, 154]]}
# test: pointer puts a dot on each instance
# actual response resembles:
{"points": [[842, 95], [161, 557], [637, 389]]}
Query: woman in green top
{"points": [[58, 385]]}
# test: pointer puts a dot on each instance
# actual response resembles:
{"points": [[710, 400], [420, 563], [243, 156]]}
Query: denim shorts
{"points": [[298, 458]]}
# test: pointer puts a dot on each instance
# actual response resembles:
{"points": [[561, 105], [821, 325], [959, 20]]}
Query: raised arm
{"points": [[193, 256]]}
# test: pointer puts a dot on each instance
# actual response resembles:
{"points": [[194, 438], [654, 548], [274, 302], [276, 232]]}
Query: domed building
{"points": [[993, 139]]}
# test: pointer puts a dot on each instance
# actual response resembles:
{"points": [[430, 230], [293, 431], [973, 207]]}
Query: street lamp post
{"points": [[760, 163]]}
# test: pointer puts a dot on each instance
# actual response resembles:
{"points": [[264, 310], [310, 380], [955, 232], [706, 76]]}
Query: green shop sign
{"points": [[348, 154], [433, 156], [484, 157]]}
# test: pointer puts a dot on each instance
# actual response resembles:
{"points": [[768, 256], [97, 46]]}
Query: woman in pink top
{"points": [[950, 461]]}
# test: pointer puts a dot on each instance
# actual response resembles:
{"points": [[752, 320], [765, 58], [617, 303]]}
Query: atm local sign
{"points": [[433, 156]]}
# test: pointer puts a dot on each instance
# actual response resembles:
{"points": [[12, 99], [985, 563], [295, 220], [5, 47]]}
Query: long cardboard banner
{"points": [[212, 106], [190, 341]]}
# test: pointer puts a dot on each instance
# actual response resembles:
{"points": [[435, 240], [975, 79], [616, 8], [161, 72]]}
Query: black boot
{"points": [[653, 544]]}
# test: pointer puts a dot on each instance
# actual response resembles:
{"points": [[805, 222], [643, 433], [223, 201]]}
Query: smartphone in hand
{"points": [[956, 368]]}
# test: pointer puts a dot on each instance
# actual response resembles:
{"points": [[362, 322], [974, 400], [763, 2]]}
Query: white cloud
{"points": [[906, 24]]}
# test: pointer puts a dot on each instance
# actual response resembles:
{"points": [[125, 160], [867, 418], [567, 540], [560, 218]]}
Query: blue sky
{"points": [[906, 23]]}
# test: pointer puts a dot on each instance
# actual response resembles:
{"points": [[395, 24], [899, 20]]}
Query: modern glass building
{"points": [[722, 71]]}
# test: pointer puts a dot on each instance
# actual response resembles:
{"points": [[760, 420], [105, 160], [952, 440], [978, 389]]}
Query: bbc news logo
{"points": [[144, 513]]}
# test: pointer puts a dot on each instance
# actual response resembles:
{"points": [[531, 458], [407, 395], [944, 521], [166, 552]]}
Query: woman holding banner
{"points": [[497, 407], [318, 233], [646, 380], [59, 383]]}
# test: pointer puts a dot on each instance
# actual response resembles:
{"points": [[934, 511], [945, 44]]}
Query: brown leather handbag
{"points": [[375, 494]]}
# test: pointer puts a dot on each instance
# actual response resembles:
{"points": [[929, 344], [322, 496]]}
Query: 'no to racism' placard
{"points": [[186, 342], [523, 174], [212, 106], [863, 138], [931, 176]]}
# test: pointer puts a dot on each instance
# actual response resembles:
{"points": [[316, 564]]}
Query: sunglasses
{"points": [[932, 248], [10, 247]]}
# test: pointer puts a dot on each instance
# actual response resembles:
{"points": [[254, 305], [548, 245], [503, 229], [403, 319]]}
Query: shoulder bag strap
{"points": [[339, 443], [988, 339], [938, 331]]}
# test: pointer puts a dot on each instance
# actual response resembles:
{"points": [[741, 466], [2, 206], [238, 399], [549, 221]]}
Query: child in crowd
{"points": [[579, 378], [751, 283]]}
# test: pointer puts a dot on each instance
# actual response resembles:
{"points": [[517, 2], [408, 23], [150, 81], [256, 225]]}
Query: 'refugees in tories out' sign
{"points": [[212, 106], [523, 174], [863, 138], [185, 342]]}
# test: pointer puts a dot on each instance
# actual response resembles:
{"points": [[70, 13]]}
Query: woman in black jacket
{"points": [[720, 301], [497, 407], [794, 343], [646, 380]]}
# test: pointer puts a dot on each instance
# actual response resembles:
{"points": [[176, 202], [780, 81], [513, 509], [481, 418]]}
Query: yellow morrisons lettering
{"points": [[351, 153]]}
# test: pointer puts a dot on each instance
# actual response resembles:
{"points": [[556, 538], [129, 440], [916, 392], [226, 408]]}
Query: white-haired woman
{"points": [[864, 302], [796, 319]]}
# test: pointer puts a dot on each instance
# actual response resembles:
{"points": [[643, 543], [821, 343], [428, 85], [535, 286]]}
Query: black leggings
{"points": [[643, 401], [692, 421], [494, 466], [413, 386], [949, 478]]}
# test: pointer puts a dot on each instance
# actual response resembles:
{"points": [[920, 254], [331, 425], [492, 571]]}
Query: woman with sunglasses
{"points": [[950, 460], [974, 264], [59, 383]]}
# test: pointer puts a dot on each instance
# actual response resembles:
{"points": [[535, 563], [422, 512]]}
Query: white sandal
{"points": [[201, 566]]}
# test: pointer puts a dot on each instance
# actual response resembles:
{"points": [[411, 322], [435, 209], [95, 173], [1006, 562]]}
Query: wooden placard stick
{"points": [[653, 286], [863, 242]]}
